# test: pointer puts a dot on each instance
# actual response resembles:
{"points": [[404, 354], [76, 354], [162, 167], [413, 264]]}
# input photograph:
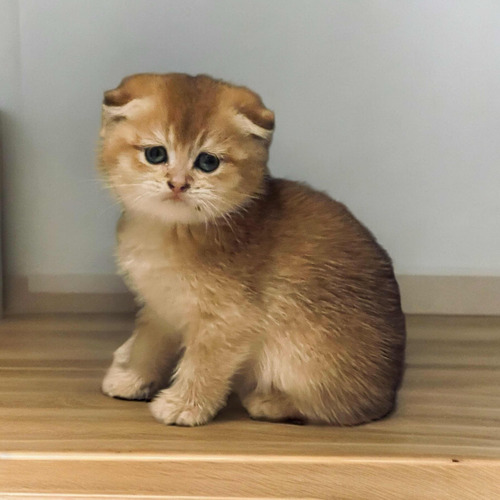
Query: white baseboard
{"points": [[66, 294], [467, 295], [462, 295]]}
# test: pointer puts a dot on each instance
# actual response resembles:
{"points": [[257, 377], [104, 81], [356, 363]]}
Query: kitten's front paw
{"points": [[126, 384], [171, 409]]}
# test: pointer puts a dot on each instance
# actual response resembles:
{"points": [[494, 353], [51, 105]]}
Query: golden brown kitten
{"points": [[248, 283]]}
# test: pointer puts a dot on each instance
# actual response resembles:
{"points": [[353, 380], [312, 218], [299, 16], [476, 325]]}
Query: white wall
{"points": [[392, 106]]}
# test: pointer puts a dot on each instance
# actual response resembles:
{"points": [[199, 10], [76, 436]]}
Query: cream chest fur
{"points": [[156, 270]]}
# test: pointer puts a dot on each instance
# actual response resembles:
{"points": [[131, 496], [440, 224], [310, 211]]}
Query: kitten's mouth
{"points": [[176, 197]]}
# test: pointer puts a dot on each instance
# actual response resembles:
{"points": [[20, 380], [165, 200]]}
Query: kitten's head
{"points": [[184, 149]]}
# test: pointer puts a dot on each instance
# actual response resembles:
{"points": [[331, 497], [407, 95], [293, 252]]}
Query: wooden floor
{"points": [[61, 438]]}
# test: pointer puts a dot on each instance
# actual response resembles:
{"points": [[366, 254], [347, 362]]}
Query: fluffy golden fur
{"points": [[248, 283]]}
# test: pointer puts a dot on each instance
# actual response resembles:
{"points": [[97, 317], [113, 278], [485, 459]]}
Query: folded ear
{"points": [[114, 107], [116, 97], [256, 120], [251, 116]]}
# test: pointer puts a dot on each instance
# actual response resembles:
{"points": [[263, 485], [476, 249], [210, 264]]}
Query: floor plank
{"points": [[60, 436]]}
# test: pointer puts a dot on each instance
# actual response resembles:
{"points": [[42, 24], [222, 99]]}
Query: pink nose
{"points": [[178, 187]]}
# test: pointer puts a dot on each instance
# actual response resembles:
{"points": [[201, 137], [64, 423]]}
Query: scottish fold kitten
{"points": [[247, 283]]}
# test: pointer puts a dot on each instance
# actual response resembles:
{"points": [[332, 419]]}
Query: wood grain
{"points": [[61, 438]]}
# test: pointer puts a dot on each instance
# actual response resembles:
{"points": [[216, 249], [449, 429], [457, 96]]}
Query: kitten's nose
{"points": [[178, 187]]}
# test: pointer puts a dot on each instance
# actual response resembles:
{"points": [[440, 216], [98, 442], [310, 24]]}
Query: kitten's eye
{"points": [[206, 162], [156, 154]]}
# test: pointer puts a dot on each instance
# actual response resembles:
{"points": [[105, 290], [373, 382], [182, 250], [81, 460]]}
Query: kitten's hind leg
{"points": [[274, 406], [143, 364]]}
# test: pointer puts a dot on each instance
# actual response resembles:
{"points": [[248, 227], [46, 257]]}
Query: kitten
{"points": [[248, 283]]}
